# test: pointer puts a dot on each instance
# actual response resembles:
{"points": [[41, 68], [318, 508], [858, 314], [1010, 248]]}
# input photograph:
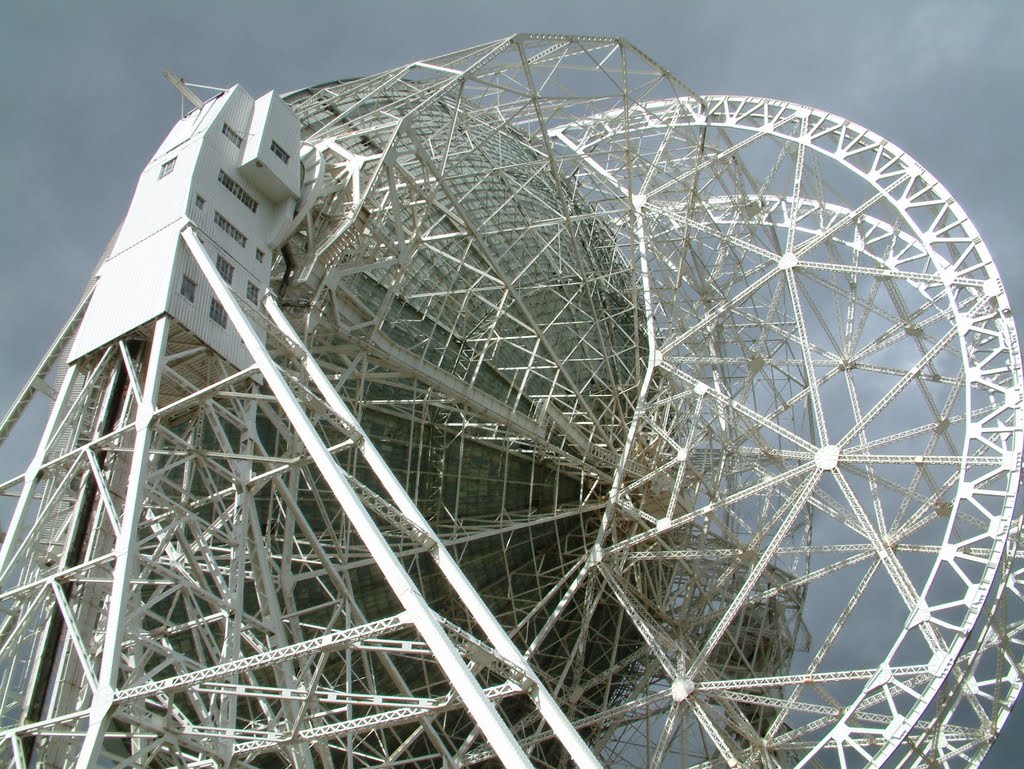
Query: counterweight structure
{"points": [[522, 407]]}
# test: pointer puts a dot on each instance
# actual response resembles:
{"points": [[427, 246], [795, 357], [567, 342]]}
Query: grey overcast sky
{"points": [[85, 105]]}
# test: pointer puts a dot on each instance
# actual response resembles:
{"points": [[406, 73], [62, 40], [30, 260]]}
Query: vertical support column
{"points": [[15, 530], [246, 530], [125, 552], [11, 557]]}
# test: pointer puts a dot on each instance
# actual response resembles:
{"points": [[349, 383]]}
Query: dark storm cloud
{"points": [[84, 105]]}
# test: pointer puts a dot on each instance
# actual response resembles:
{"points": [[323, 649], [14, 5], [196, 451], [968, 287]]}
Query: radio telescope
{"points": [[521, 407]]}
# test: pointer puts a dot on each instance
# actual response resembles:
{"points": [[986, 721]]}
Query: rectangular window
{"points": [[188, 288], [252, 293], [236, 189], [218, 314], [260, 255], [225, 268], [276, 149], [166, 168], [229, 132], [200, 202], [229, 228]]}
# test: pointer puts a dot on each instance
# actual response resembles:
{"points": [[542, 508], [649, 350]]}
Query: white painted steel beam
{"points": [[548, 707], [455, 668]]}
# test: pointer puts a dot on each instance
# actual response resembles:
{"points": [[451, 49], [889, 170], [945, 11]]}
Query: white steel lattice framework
{"points": [[589, 421]]}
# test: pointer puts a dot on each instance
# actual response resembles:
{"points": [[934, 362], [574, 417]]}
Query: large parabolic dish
{"points": [[589, 421]]}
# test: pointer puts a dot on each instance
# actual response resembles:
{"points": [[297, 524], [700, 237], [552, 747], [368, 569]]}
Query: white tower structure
{"points": [[522, 407], [230, 169]]}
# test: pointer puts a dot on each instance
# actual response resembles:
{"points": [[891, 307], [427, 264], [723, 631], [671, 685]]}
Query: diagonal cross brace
{"points": [[480, 708]]}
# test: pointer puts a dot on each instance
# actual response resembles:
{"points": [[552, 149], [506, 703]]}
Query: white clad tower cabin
{"points": [[232, 170]]}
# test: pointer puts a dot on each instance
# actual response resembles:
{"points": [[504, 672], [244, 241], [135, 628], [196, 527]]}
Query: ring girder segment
{"points": [[975, 302]]}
